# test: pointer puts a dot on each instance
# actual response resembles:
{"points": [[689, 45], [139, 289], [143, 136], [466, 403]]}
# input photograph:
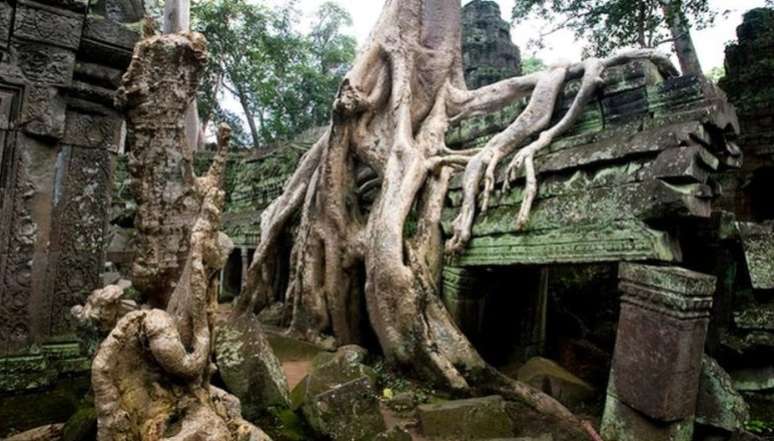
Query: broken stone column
{"points": [[654, 380]]}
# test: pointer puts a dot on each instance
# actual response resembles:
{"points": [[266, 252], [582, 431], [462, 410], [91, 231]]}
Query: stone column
{"points": [[464, 302], [245, 267], [654, 380]]}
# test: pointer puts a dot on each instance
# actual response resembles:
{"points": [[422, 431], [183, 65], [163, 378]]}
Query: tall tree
{"points": [[177, 18], [284, 81], [390, 116], [330, 55], [612, 24], [251, 47]]}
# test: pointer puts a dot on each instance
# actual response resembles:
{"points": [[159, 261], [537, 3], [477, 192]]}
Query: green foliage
{"points": [[715, 74], [531, 65], [611, 24], [759, 427], [284, 81]]}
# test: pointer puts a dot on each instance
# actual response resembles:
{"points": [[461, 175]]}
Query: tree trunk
{"points": [[151, 375], [177, 18], [681, 34], [254, 135], [391, 116], [204, 123]]}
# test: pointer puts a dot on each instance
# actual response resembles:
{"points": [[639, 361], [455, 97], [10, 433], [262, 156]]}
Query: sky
{"points": [[562, 46]]}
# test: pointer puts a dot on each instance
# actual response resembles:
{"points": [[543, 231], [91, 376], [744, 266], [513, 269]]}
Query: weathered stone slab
{"points": [[598, 206], [93, 131], [92, 92], [754, 379], [43, 112], [43, 24], [658, 355], [719, 404], [680, 290], [107, 42], [338, 396], [78, 238], [99, 74], [477, 418], [23, 223], [683, 165], [758, 243], [248, 366], [623, 423], [350, 412], [628, 241], [330, 371], [660, 340], [122, 11], [757, 318], [630, 76], [45, 65], [109, 32]]}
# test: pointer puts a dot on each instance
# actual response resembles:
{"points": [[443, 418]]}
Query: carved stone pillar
{"points": [[654, 380], [464, 302]]}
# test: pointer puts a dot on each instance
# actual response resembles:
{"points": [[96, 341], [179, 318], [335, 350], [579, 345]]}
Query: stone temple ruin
{"points": [[648, 262], [61, 63]]}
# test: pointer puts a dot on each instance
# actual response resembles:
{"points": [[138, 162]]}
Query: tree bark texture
{"points": [[389, 121], [151, 375], [681, 34], [177, 18], [159, 85]]}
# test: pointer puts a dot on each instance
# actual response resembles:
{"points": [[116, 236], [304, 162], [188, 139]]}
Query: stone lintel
{"points": [[616, 241]]}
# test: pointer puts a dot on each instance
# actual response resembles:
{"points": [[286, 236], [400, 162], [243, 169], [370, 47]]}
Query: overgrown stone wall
{"points": [[748, 83], [59, 135], [745, 316]]}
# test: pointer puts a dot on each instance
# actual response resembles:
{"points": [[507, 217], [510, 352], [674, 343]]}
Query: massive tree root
{"points": [[151, 375], [390, 118]]}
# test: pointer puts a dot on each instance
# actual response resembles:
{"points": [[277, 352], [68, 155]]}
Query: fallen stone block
{"points": [[548, 376], [348, 412], [473, 419], [719, 404], [330, 370], [248, 366]]}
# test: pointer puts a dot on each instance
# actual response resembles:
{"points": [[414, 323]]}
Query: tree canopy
{"points": [[282, 79], [611, 24]]}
